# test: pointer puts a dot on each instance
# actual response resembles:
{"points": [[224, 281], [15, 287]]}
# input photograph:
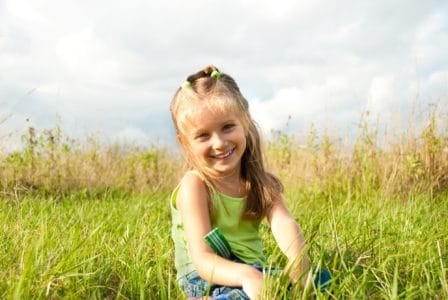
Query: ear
{"points": [[180, 140]]}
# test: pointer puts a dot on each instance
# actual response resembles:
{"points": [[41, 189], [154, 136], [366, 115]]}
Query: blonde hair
{"points": [[221, 92]]}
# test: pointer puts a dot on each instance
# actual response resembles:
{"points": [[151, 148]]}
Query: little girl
{"points": [[227, 187]]}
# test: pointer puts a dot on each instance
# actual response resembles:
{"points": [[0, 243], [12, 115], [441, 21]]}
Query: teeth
{"points": [[224, 155]]}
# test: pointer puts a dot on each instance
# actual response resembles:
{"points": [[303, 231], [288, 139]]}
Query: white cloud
{"points": [[112, 66], [438, 82], [311, 101], [131, 136], [382, 94], [431, 41], [25, 12], [88, 58]]}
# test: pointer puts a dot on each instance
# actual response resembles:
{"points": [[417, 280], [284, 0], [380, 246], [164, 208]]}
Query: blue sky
{"points": [[110, 68]]}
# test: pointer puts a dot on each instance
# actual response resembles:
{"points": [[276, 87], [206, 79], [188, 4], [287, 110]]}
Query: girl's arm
{"points": [[290, 240], [192, 203]]}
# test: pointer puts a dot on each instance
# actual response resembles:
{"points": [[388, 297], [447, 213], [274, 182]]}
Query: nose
{"points": [[218, 142]]}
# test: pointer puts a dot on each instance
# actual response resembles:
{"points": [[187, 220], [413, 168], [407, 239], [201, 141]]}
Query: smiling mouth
{"points": [[224, 155]]}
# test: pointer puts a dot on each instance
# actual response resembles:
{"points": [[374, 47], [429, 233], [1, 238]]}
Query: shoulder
{"points": [[192, 190], [278, 211], [192, 179]]}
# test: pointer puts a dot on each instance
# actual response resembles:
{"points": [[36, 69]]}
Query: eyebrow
{"points": [[201, 130]]}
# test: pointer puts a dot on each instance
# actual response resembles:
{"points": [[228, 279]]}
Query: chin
{"points": [[225, 170]]}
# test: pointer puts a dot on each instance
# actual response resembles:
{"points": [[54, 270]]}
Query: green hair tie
{"points": [[215, 74], [186, 84]]}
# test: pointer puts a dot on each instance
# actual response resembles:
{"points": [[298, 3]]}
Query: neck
{"points": [[230, 184]]}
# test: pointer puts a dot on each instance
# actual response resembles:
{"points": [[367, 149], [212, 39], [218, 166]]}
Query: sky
{"points": [[110, 68]]}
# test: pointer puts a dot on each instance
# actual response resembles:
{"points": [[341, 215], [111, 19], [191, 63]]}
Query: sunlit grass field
{"points": [[82, 220]]}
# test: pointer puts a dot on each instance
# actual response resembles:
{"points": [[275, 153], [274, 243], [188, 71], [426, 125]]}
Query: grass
{"points": [[118, 246], [380, 248], [83, 220], [86, 247]]}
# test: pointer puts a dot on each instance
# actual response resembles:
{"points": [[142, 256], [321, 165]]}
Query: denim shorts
{"points": [[194, 286]]}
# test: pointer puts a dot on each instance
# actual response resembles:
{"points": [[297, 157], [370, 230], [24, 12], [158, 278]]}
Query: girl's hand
{"points": [[253, 283]]}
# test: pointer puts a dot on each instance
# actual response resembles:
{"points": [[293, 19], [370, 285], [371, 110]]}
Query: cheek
{"points": [[199, 150], [243, 137]]}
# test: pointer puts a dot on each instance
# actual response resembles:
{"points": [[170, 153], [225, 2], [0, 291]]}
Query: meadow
{"points": [[84, 220]]}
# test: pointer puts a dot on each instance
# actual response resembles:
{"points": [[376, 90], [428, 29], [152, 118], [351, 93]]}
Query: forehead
{"points": [[197, 114]]}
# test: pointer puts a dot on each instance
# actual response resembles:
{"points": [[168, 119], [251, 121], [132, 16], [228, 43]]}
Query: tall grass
{"points": [[54, 164], [397, 165], [84, 220]]}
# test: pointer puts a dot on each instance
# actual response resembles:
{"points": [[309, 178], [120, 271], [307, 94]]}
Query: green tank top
{"points": [[242, 235]]}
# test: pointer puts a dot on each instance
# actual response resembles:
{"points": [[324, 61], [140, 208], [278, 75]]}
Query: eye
{"points": [[228, 127], [201, 136]]}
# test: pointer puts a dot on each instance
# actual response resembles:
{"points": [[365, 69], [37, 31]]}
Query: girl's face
{"points": [[216, 140]]}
